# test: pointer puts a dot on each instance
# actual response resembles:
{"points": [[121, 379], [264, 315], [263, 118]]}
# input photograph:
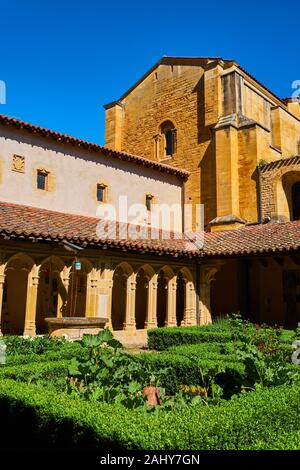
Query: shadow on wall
{"points": [[207, 164]]}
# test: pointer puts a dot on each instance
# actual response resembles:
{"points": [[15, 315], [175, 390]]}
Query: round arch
{"points": [[52, 294], [21, 260], [55, 261], [286, 206], [15, 287], [185, 297], [168, 134], [165, 275], [79, 285], [122, 272], [144, 275], [125, 267]]}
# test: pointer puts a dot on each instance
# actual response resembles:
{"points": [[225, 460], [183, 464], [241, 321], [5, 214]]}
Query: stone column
{"points": [[92, 293], [190, 305], [171, 302], [206, 277], [151, 321], [65, 280], [31, 301], [105, 287], [129, 323]]}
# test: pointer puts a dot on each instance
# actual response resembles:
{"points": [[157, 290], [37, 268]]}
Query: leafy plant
{"points": [[266, 365], [109, 373], [36, 345]]}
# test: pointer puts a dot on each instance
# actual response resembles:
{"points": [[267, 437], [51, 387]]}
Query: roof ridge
{"points": [[65, 138]]}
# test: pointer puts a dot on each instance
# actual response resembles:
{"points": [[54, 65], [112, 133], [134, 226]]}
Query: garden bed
{"points": [[37, 418], [241, 392]]}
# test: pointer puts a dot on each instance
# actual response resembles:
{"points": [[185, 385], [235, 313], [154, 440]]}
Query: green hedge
{"points": [[163, 338], [184, 370], [205, 351], [67, 351], [30, 372], [49, 374], [35, 345], [37, 418]]}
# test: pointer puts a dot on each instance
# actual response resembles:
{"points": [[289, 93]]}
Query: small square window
{"points": [[149, 198], [42, 180], [101, 192]]}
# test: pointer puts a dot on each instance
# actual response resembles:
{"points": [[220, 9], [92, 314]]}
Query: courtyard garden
{"points": [[229, 385]]}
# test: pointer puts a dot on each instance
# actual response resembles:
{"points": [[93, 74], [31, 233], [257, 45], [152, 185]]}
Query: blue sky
{"points": [[62, 60]]}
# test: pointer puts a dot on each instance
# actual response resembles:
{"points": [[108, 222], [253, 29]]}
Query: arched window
{"points": [[296, 200], [168, 132]]}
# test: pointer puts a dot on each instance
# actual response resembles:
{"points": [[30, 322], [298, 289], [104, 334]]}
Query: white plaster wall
{"points": [[76, 173]]}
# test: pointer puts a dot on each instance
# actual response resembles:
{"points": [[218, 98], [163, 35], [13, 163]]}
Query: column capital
{"points": [[209, 271], [132, 285], [35, 280]]}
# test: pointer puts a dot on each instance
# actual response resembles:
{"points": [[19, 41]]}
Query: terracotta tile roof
{"points": [[254, 239], [67, 139], [30, 222], [283, 162]]}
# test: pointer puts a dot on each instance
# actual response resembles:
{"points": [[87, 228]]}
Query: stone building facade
{"points": [[225, 124], [191, 130]]}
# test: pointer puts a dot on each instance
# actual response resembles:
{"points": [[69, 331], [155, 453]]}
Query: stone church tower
{"points": [[211, 117]]}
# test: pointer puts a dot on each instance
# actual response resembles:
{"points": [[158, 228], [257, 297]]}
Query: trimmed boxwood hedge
{"points": [[67, 351], [28, 372], [204, 351], [163, 338], [37, 418], [184, 365], [184, 370], [35, 345]]}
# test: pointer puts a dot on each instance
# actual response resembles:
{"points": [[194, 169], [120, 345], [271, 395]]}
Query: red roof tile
{"points": [[253, 239], [67, 139], [31, 222]]}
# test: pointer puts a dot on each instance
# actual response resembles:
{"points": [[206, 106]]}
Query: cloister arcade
{"points": [[129, 294]]}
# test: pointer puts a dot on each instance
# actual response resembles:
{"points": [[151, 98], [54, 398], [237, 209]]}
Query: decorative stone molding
{"points": [[18, 163]]}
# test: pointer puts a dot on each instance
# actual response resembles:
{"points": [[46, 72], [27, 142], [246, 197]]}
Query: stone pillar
{"points": [[227, 184], [206, 277], [2, 280], [171, 302], [108, 303], [190, 305], [65, 280], [114, 125], [104, 301], [151, 321], [31, 301], [92, 290], [129, 323]]}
